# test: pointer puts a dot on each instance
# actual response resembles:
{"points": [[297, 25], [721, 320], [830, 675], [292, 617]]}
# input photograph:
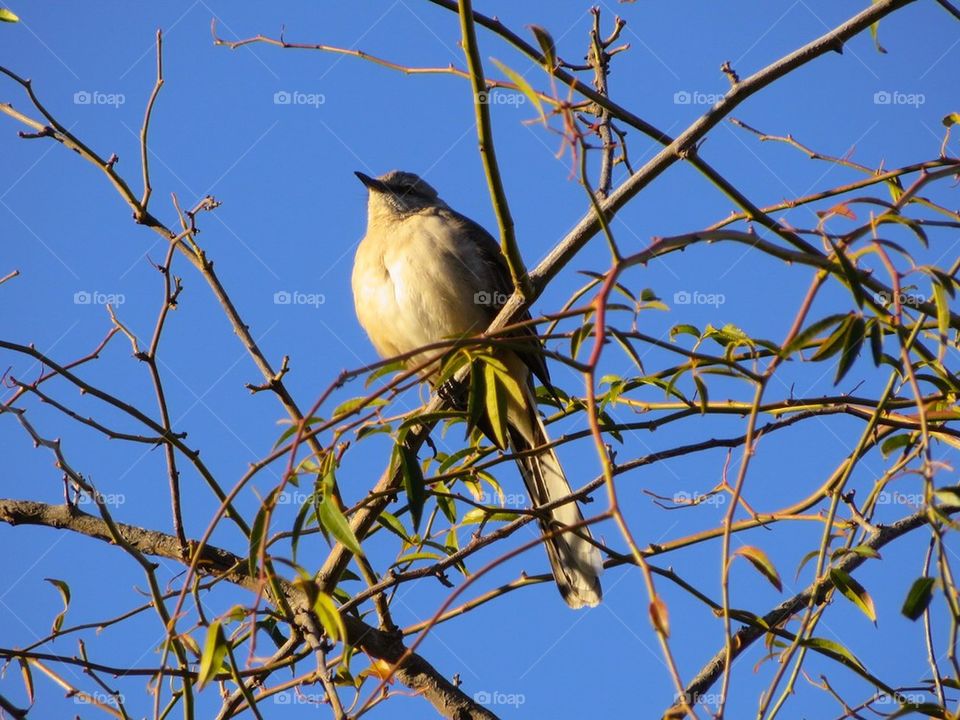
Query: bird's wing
{"points": [[500, 289]]}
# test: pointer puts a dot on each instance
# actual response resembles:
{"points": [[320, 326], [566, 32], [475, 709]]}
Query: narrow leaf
{"points": [[854, 592], [919, 597], [214, 650], [333, 519], [758, 558]]}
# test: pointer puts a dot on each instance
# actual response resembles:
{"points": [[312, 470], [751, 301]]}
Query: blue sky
{"points": [[292, 214]]}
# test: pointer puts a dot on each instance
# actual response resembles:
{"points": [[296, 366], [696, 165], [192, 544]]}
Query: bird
{"points": [[424, 274]]}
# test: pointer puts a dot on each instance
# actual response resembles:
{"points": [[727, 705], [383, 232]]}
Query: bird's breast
{"points": [[414, 284]]}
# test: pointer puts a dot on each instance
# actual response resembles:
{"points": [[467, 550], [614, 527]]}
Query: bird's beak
{"points": [[371, 183]]}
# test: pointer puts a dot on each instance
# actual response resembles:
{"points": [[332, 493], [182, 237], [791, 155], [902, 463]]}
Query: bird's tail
{"points": [[575, 562]]}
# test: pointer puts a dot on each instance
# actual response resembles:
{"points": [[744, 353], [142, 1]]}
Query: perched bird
{"points": [[423, 274]]}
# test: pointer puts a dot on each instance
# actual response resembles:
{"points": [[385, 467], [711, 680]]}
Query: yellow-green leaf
{"points": [[333, 519], [854, 592], [496, 405], [758, 558], [8, 16], [330, 617], [214, 651], [64, 591], [524, 87]]}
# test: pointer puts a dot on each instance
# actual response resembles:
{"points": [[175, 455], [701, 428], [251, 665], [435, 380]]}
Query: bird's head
{"points": [[398, 193]]}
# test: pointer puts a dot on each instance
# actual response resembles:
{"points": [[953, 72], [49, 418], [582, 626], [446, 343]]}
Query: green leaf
{"points": [[875, 34], [333, 519], [834, 650], [524, 87], [948, 496], [64, 591], [849, 274], [852, 342], [395, 366], [811, 332], [391, 523], [919, 597], [876, 341], [894, 443], [330, 617], [479, 515], [701, 393], [861, 550], [8, 16], [684, 329], [854, 592], [943, 311], [578, 336], [496, 405], [547, 46], [758, 558], [214, 651], [831, 345], [414, 483], [353, 404], [257, 536]]}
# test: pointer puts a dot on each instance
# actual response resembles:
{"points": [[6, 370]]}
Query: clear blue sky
{"points": [[291, 216]]}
